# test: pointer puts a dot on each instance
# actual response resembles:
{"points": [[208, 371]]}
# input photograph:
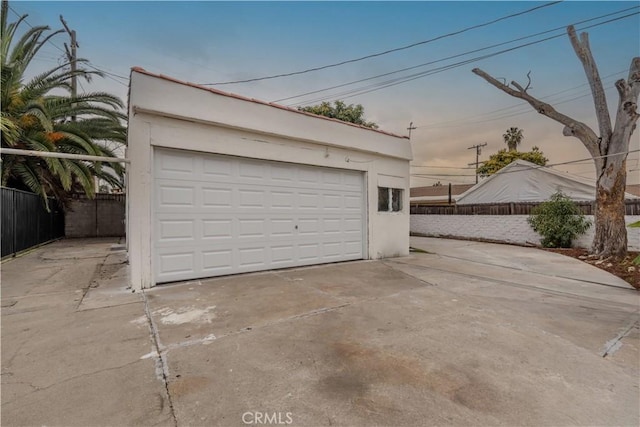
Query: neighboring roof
{"points": [[633, 189], [522, 181], [439, 190], [271, 104]]}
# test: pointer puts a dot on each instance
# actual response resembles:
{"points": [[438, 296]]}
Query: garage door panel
{"points": [[176, 196], [283, 175], [217, 262], [308, 201], [309, 251], [352, 203], [282, 199], [219, 215], [177, 262], [217, 229], [332, 202], [172, 230], [282, 227], [252, 169], [353, 225], [251, 198], [309, 227], [175, 166], [217, 197], [309, 176], [331, 178], [352, 181], [216, 168], [252, 256], [252, 228], [353, 248]]}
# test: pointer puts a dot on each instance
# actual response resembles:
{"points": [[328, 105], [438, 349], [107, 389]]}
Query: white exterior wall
{"points": [[163, 113], [504, 228]]}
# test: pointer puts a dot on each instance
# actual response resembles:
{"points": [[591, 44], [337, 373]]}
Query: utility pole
{"points": [[410, 128], [72, 58], [478, 148]]}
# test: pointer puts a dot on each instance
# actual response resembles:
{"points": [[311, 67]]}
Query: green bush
{"points": [[636, 224], [559, 221]]}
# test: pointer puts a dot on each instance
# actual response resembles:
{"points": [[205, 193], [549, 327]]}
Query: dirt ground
{"points": [[625, 269]]}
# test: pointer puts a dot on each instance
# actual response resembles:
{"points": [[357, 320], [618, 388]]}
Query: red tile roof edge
{"points": [[257, 101]]}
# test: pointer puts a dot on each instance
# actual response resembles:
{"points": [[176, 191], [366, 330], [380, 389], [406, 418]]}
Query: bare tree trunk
{"points": [[609, 150], [610, 237]]}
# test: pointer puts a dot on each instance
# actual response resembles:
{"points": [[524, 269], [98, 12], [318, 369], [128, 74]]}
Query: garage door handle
{"points": [[296, 227]]}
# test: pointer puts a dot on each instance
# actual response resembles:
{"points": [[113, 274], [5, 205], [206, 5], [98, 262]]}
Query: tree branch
{"points": [[634, 77], [627, 114], [583, 51], [572, 127]]}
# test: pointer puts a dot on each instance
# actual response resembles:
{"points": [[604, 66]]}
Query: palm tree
{"points": [[513, 137], [37, 115]]}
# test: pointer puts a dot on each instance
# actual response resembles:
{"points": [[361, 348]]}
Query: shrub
{"points": [[559, 221], [636, 224]]}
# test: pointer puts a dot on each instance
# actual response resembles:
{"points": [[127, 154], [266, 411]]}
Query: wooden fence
{"points": [[632, 207]]}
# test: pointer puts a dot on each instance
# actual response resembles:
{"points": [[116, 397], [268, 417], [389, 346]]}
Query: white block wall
{"points": [[504, 228]]}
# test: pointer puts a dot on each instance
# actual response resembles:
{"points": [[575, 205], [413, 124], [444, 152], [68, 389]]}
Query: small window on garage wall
{"points": [[383, 199], [389, 199]]}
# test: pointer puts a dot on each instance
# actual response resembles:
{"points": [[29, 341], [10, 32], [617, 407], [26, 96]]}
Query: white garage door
{"points": [[218, 215]]}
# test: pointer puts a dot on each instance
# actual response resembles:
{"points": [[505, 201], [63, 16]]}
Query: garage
{"points": [[220, 184], [217, 215]]}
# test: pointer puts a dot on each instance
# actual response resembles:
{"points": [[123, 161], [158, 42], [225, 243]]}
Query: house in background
{"points": [[221, 184], [522, 181], [438, 194], [633, 189]]}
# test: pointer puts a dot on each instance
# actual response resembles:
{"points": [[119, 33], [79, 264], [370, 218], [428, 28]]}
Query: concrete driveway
{"points": [[464, 334]]}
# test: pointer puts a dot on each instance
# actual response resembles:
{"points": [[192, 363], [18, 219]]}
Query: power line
{"points": [[478, 148], [104, 70], [64, 51], [521, 104], [393, 82], [349, 61], [589, 159], [451, 57], [545, 166], [109, 75], [438, 167]]}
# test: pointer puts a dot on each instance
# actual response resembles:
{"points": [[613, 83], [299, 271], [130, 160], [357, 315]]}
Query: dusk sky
{"points": [[213, 42]]}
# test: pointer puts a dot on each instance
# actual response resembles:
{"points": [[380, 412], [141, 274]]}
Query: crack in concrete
{"points": [[424, 282], [614, 344], [521, 285], [93, 281], [66, 380], [159, 354], [163, 350], [530, 271]]}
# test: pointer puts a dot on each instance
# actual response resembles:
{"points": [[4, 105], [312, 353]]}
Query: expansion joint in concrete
{"points": [[93, 281], [614, 345], [162, 367]]}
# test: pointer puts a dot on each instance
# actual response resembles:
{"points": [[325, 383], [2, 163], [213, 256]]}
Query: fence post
{"points": [[96, 211], [15, 224]]}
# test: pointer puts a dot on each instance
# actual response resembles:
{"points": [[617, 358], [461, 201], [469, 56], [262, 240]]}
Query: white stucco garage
{"points": [[221, 184]]}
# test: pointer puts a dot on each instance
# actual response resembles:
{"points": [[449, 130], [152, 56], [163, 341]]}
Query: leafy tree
{"points": [[609, 147], [513, 137], [341, 111], [503, 157], [559, 221], [37, 115]]}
